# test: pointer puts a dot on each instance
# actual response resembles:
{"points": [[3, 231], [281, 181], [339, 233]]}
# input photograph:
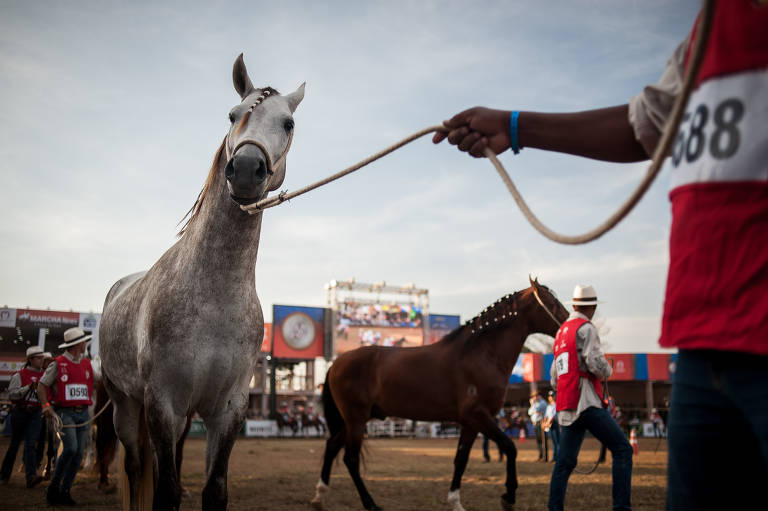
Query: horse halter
{"points": [[270, 165], [538, 299]]}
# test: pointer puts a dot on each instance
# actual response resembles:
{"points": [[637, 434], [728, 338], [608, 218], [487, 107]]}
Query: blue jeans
{"points": [[718, 431], [598, 422], [73, 442], [554, 434], [25, 425]]}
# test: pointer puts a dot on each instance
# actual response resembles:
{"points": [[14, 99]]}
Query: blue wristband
{"points": [[514, 143]]}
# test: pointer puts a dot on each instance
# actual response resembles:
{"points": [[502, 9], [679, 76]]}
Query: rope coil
{"points": [[662, 150], [56, 425]]}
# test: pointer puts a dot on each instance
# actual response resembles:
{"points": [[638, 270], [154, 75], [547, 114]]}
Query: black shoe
{"points": [[66, 499], [52, 495], [34, 481]]}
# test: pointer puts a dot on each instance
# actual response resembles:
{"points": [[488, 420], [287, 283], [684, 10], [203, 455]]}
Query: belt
{"points": [[77, 408]]}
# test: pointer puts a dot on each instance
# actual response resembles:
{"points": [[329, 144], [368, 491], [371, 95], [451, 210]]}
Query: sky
{"points": [[111, 112]]}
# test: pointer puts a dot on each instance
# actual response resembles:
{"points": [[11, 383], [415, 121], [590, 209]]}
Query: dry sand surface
{"points": [[401, 474]]}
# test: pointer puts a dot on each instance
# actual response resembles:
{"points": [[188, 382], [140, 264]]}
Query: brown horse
{"points": [[462, 378]]}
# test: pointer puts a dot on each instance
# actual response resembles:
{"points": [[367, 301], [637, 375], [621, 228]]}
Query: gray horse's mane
{"points": [[195, 209]]}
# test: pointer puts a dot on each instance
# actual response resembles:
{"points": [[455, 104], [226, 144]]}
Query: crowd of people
{"points": [[352, 313]]}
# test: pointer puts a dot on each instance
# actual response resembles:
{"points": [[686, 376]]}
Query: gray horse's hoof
{"points": [[507, 506]]}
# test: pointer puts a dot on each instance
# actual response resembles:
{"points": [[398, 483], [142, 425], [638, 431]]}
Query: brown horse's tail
{"points": [[333, 417]]}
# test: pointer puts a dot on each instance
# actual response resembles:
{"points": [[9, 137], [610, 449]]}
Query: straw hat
{"points": [[74, 336], [34, 351], [584, 295]]}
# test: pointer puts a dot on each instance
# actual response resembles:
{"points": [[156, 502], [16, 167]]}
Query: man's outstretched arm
{"points": [[603, 134]]}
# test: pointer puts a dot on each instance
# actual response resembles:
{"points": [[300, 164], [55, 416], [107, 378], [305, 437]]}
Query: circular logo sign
{"points": [[298, 330]]}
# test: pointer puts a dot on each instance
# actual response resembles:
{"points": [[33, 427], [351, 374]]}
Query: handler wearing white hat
{"points": [[26, 420], [576, 373], [72, 375]]}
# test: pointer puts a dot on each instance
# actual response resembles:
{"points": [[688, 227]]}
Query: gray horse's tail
{"points": [[333, 417], [144, 486]]}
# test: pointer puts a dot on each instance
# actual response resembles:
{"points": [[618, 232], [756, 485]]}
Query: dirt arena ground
{"points": [[401, 474]]}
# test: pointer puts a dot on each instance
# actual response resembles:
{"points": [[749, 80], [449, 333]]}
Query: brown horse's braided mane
{"points": [[496, 314]]}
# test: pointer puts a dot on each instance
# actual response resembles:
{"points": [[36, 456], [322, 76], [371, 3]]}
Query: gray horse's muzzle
{"points": [[246, 174]]}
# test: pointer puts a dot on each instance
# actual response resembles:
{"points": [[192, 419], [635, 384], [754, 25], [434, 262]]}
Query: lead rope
{"points": [[662, 150], [57, 425]]}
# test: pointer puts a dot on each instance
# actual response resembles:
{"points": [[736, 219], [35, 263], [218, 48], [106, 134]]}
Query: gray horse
{"points": [[183, 337]]}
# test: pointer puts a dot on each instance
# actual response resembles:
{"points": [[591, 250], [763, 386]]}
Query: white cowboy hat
{"points": [[47, 354], [584, 295], [74, 336], [34, 351]]}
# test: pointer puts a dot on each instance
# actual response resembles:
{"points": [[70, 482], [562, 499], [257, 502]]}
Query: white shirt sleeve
{"points": [[592, 352], [649, 110]]}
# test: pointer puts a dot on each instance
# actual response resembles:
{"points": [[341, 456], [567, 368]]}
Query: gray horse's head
{"points": [[259, 138]]}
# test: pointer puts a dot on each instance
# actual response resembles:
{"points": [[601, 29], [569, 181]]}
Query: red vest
{"points": [[718, 270], [567, 367], [74, 385], [29, 376]]}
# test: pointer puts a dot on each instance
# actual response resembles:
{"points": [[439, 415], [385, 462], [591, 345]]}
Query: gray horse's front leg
{"points": [[166, 427], [222, 433]]}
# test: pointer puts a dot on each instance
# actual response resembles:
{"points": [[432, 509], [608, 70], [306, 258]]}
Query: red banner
{"points": [[658, 366], [532, 364], [623, 366], [266, 343]]}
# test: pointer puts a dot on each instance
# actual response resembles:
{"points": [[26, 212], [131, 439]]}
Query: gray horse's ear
{"points": [[295, 97], [240, 78]]}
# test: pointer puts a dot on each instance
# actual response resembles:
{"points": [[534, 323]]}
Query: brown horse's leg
{"points": [[466, 439], [352, 461], [332, 447], [492, 431]]}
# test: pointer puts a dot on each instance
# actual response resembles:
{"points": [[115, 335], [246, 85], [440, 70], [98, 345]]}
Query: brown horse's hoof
{"points": [[317, 505], [108, 488], [507, 506]]}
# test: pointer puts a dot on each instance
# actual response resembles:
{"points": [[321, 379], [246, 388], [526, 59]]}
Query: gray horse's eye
{"points": [[288, 125], [231, 116]]}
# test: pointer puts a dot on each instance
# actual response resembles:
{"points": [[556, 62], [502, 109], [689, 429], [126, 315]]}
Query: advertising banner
{"points": [[7, 317], [266, 343], [658, 366], [42, 328], [9, 366], [441, 325], [254, 428], [517, 371], [89, 322], [297, 332], [531, 366], [623, 366]]}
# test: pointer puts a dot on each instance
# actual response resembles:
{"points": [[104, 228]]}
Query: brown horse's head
{"points": [[544, 312]]}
